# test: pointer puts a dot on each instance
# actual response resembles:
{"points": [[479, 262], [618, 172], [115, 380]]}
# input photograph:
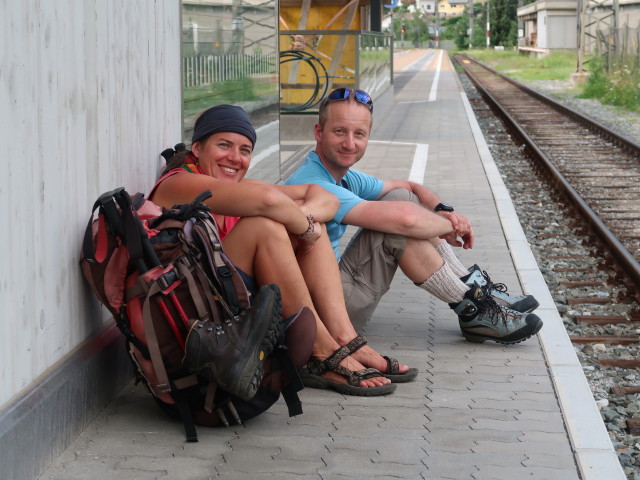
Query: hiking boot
{"points": [[482, 318], [232, 354], [519, 303]]}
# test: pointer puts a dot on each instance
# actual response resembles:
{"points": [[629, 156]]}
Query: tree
{"points": [[504, 22], [456, 30]]}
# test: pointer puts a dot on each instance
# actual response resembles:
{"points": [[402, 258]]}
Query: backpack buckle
{"points": [[168, 280], [160, 389]]}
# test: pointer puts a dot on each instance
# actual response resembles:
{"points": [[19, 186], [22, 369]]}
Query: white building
{"points": [[552, 24]]}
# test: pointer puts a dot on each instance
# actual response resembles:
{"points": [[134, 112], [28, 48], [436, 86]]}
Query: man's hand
{"points": [[462, 236]]}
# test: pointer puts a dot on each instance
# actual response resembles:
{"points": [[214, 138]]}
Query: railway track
{"points": [[575, 185]]}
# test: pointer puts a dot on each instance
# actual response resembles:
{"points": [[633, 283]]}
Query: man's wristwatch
{"points": [[443, 207]]}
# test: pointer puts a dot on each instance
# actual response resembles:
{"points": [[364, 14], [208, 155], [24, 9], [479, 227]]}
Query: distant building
{"points": [[446, 8], [552, 24], [549, 24]]}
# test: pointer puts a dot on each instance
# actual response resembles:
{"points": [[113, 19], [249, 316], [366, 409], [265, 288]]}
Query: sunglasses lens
{"points": [[339, 94], [363, 97], [343, 93]]}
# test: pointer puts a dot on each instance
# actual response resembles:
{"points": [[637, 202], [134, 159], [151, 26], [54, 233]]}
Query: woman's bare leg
{"points": [[322, 276], [262, 248]]}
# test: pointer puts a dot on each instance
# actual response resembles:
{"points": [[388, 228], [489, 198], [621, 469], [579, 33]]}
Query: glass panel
{"points": [[314, 62], [374, 63], [230, 55]]}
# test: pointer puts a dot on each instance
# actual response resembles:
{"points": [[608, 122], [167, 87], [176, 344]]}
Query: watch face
{"points": [[443, 207]]}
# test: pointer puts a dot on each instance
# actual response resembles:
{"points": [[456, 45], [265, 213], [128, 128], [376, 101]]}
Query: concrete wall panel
{"points": [[89, 94]]}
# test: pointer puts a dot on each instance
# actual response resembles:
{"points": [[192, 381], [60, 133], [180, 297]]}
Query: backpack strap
{"points": [[193, 289], [280, 360], [182, 404], [163, 385], [107, 215]]}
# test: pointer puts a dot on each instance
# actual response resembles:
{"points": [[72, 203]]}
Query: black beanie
{"points": [[224, 118]]}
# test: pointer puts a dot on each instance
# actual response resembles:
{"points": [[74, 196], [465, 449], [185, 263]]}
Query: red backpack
{"points": [[205, 345]]}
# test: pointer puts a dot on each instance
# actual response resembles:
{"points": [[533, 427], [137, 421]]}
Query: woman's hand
{"points": [[304, 245]]}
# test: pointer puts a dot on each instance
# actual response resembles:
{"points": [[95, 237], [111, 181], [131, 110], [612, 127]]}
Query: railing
{"points": [[312, 62], [209, 69]]}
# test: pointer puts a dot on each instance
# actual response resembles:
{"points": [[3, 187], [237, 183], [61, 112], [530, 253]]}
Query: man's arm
{"points": [[410, 219], [427, 197], [403, 218]]}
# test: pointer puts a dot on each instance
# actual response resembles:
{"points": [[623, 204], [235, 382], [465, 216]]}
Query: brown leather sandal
{"points": [[393, 366], [311, 376]]}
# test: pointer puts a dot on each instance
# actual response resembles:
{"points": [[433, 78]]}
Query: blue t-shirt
{"points": [[353, 189]]}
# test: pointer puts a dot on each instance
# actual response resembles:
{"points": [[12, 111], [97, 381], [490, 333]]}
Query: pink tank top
{"points": [[229, 222]]}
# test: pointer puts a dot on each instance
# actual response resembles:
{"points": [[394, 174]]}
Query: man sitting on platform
{"points": [[403, 224]]}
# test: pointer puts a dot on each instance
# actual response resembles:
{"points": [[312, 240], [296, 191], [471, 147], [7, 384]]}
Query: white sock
{"points": [[445, 285], [448, 255]]}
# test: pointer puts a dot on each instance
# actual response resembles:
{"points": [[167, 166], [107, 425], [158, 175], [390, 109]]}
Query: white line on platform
{"points": [[420, 157], [436, 78]]}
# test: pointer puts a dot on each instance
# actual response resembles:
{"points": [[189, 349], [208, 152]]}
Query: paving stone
{"points": [[519, 425], [542, 436], [447, 440], [363, 464], [400, 450], [520, 387], [439, 463], [492, 472], [290, 447], [441, 398], [269, 476], [543, 416], [530, 449], [531, 405], [171, 467], [397, 417]]}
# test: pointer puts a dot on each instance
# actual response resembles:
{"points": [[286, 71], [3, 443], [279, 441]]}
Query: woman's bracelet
{"points": [[309, 232]]}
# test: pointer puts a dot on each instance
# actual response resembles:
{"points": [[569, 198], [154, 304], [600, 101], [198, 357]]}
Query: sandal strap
{"points": [[318, 367], [356, 344], [393, 366], [355, 376], [336, 357]]}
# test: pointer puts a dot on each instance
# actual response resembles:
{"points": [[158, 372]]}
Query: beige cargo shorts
{"points": [[368, 265]]}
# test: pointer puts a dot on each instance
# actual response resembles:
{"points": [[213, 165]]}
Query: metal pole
{"points": [[488, 26], [582, 13], [470, 23], [437, 25]]}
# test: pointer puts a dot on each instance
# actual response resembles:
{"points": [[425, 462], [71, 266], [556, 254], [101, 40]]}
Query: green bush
{"points": [[619, 86]]}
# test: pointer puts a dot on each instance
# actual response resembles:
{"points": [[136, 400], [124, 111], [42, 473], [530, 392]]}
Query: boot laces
{"points": [[500, 287], [496, 311]]}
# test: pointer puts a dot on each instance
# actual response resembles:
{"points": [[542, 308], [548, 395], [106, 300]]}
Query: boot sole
{"points": [[512, 339], [250, 377]]}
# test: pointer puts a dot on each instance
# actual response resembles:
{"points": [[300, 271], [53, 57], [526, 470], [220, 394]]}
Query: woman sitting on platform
{"points": [[275, 234]]}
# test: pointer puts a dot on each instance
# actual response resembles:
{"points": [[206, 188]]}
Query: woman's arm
{"points": [[312, 199], [242, 199]]}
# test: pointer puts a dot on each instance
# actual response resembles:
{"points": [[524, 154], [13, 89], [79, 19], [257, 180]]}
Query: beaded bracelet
{"points": [[309, 232]]}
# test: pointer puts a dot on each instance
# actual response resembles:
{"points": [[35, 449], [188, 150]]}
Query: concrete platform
{"points": [[475, 412]]}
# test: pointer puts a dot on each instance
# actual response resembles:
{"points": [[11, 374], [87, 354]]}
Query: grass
{"points": [[555, 66], [197, 99], [618, 87]]}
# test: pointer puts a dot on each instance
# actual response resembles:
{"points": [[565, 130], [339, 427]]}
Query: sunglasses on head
{"points": [[343, 93]]}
